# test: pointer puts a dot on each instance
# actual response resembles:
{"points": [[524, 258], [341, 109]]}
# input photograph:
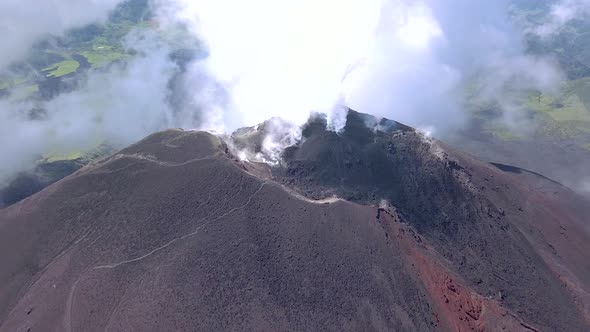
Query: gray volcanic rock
{"points": [[171, 233], [474, 215], [176, 233]]}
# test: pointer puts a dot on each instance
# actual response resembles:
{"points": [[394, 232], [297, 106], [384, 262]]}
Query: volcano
{"points": [[374, 227]]}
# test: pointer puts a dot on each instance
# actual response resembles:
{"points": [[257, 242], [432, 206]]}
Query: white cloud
{"points": [[402, 59], [562, 13], [24, 22], [278, 58], [119, 106], [418, 28]]}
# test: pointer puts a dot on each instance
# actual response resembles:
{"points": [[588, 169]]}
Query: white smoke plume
{"points": [[276, 58], [402, 59], [407, 60]]}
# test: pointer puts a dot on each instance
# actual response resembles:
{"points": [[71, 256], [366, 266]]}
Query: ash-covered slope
{"points": [[175, 233], [522, 239]]}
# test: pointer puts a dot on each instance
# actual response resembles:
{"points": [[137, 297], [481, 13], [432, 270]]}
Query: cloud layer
{"points": [[276, 58], [561, 13], [118, 107], [24, 22], [403, 59], [408, 60]]}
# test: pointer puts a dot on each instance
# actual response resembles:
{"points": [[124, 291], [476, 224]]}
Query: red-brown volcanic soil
{"points": [[175, 233]]}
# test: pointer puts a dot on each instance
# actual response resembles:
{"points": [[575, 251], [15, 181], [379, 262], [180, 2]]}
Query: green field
{"points": [[26, 91], [570, 103], [52, 157], [11, 82], [62, 68], [562, 113], [102, 55], [100, 44], [502, 131]]}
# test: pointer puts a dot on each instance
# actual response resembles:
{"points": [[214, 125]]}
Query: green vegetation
{"points": [[52, 157], [24, 92], [102, 55], [99, 151], [502, 132], [561, 108], [562, 113], [103, 43], [11, 82], [100, 44], [32, 89], [566, 111], [561, 129], [62, 68]]}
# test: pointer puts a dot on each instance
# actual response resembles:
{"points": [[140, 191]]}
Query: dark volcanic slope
{"points": [[174, 233], [504, 234]]}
